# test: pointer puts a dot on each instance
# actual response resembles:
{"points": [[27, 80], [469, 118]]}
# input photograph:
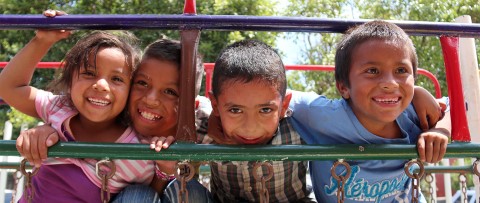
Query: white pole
{"points": [[447, 182], [7, 135], [470, 81]]}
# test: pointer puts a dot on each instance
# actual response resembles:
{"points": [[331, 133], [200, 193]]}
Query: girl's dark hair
{"points": [[78, 57]]}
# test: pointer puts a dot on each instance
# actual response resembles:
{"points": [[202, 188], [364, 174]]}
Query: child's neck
{"points": [[387, 131], [87, 131]]}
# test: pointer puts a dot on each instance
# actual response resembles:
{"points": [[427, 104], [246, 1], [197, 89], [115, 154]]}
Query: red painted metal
{"points": [[190, 7], [429, 75], [209, 73], [458, 115]]}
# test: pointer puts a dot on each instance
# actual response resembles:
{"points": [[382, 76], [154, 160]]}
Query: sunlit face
{"points": [[381, 83], [100, 94], [153, 102], [249, 112]]}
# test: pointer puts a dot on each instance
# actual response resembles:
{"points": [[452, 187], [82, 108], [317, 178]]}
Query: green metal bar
{"points": [[200, 152], [449, 169]]}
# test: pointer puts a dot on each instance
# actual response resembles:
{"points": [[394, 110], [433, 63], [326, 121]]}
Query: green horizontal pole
{"points": [[200, 152], [449, 169]]}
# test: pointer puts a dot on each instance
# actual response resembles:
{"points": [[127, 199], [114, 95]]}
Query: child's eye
{"points": [[266, 110], [117, 79], [235, 110], [141, 83], [372, 71], [401, 70], [88, 73], [171, 92]]}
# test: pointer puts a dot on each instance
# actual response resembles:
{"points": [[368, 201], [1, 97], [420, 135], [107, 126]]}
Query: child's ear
{"points": [[285, 103], [343, 89], [214, 103]]}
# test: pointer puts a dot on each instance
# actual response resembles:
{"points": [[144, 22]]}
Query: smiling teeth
{"points": [[390, 101], [149, 116], [98, 102]]}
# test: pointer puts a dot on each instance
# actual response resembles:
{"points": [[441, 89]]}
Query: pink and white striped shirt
{"points": [[127, 171]]}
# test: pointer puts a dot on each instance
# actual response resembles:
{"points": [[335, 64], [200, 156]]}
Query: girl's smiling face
{"points": [[100, 92]]}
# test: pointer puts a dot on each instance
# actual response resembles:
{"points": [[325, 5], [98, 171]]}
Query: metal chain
{"points": [[105, 173], [416, 176], [463, 186], [341, 179], [28, 190], [264, 196], [16, 178], [184, 172], [476, 168], [429, 178]]}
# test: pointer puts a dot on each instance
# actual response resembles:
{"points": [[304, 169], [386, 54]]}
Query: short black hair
{"points": [[373, 30], [249, 60]]}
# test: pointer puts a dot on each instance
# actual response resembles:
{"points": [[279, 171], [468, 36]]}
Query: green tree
{"points": [[319, 48], [211, 42], [428, 47]]}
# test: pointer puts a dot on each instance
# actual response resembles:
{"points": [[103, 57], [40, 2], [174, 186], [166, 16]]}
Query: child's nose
{"points": [[152, 98], [250, 123], [101, 85], [388, 82]]}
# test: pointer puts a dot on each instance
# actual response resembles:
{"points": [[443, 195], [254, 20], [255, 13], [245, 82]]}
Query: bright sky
{"points": [[290, 49]]}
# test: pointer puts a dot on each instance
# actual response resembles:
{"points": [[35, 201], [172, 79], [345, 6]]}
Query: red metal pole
{"points": [[458, 115], [190, 7]]}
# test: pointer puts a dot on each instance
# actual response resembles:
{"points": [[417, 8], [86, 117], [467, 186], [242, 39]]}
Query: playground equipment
{"points": [[190, 25]]}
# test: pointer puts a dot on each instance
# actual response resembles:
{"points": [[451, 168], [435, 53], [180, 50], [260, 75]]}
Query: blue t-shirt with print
{"points": [[319, 120]]}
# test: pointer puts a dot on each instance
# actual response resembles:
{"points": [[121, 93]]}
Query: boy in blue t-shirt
{"points": [[375, 71]]}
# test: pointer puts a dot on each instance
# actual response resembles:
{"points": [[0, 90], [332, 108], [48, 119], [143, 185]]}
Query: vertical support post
{"points": [[455, 91], [470, 81], [186, 109], [7, 135], [190, 7]]}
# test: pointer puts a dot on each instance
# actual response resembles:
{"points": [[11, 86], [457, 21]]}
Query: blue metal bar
{"points": [[225, 22], [201, 152]]}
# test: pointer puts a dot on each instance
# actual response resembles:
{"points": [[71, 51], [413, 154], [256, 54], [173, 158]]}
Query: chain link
{"points": [[429, 178], [105, 173], [264, 196], [16, 178], [184, 172], [476, 168], [416, 176], [463, 186], [28, 190], [341, 179]]}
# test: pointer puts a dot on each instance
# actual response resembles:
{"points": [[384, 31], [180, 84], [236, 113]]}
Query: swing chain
{"points": [[17, 175], [28, 190], [462, 178], [184, 172], [416, 176], [105, 173], [429, 178], [476, 168], [341, 179], [264, 196]]}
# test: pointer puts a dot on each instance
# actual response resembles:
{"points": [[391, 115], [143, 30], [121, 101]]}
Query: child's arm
{"points": [[427, 108], [33, 143], [432, 144], [16, 76]]}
